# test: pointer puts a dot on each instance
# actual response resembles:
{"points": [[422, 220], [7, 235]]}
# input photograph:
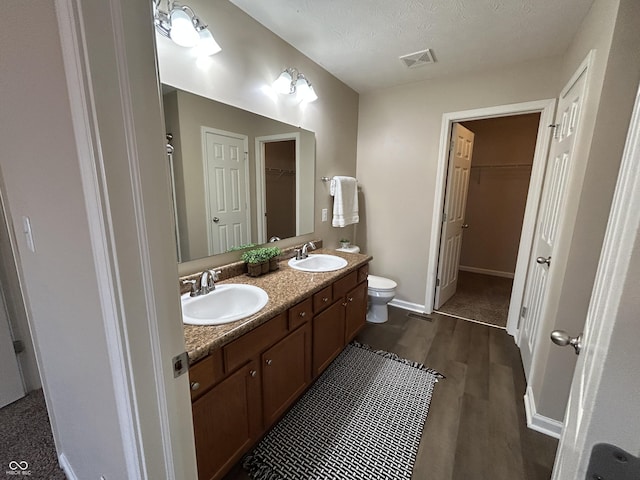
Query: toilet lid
{"points": [[381, 283]]}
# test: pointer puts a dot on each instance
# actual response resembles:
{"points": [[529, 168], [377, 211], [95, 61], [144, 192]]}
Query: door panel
{"points": [[11, 388], [454, 207], [553, 201], [225, 191]]}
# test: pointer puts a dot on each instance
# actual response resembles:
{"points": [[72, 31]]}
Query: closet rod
{"points": [[504, 165]]}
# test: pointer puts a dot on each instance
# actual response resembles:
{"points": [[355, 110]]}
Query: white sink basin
{"points": [[318, 262], [227, 303]]}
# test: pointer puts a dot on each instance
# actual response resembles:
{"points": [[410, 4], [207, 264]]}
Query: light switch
{"points": [[26, 228], [325, 214]]}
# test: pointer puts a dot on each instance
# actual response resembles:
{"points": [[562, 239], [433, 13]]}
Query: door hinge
{"points": [[180, 364], [523, 312], [556, 129], [437, 282], [18, 346], [444, 217], [452, 145]]}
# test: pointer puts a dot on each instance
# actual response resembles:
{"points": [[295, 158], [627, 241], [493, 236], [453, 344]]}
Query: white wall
{"points": [[251, 58], [615, 34], [42, 180], [398, 141]]}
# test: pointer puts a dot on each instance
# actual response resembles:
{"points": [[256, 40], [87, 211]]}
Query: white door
{"points": [[11, 388], [541, 261], [227, 205], [603, 404], [455, 202]]}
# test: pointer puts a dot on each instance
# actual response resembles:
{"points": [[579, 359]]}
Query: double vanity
{"points": [[246, 373]]}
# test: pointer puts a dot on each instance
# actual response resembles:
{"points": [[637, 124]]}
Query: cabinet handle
{"points": [[302, 314], [253, 373], [351, 299], [325, 299], [269, 362], [195, 386], [344, 304]]}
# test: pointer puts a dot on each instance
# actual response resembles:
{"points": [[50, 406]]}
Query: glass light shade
{"points": [[207, 45], [282, 84], [182, 30], [311, 95], [304, 90]]}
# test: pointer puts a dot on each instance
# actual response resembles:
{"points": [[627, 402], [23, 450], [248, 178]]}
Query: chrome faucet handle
{"points": [[215, 275], [298, 254], [194, 287]]}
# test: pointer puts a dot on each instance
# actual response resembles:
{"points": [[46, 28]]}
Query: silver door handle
{"points": [[215, 219], [562, 338], [465, 225], [542, 261]]}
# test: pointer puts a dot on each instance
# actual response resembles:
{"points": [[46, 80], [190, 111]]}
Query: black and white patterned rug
{"points": [[362, 419]]}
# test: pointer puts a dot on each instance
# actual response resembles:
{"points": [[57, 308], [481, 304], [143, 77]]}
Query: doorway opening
{"points": [[496, 194], [279, 188], [545, 109]]}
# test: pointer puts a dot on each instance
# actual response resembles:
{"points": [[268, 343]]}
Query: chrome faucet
{"points": [[208, 281], [303, 252]]}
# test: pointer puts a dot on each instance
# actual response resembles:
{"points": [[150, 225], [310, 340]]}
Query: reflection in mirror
{"points": [[238, 178]]}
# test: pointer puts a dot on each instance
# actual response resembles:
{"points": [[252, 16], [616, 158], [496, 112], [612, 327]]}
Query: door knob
{"points": [[465, 225], [542, 261], [215, 219], [562, 338]]}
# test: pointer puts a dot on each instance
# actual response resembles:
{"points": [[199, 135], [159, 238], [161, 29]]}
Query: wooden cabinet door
{"points": [[227, 421], [286, 373], [328, 336], [356, 310]]}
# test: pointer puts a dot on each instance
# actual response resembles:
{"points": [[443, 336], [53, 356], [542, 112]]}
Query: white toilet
{"points": [[381, 292]]}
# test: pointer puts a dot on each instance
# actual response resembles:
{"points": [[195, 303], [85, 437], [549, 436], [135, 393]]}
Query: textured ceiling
{"points": [[359, 41]]}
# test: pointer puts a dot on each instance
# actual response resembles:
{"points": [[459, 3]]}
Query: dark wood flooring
{"points": [[476, 428]]}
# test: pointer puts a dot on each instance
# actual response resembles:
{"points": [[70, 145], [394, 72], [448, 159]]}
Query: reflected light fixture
{"points": [[181, 24], [293, 82]]}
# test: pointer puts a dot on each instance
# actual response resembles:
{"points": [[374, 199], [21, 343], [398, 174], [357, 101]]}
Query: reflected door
{"points": [[226, 188]]}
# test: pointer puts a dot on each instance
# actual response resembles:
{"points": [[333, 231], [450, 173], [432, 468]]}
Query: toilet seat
{"points": [[381, 284]]}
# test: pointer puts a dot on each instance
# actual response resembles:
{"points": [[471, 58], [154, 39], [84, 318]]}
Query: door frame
{"points": [[261, 186], [205, 169], [546, 108]]}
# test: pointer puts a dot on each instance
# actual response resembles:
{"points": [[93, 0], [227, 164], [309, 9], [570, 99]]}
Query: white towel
{"points": [[345, 201]]}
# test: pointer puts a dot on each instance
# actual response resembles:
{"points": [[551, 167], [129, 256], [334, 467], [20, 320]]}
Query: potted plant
{"points": [[345, 242], [274, 253], [257, 261]]}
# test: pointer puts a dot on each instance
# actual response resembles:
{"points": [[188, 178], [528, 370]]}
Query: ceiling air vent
{"points": [[418, 59]]}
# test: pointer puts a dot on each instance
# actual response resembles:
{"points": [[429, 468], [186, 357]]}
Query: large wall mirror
{"points": [[238, 178]]}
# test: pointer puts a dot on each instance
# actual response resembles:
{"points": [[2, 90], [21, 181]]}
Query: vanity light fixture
{"points": [[293, 82], [181, 24]]}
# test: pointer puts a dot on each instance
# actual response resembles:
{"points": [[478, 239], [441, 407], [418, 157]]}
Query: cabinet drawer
{"points": [[322, 299], [363, 272], [252, 343], [346, 283], [206, 373], [300, 313]]}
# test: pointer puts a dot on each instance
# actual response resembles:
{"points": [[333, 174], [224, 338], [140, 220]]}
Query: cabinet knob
{"points": [[344, 304], [350, 299], [325, 299], [195, 385], [302, 314], [253, 373], [268, 362]]}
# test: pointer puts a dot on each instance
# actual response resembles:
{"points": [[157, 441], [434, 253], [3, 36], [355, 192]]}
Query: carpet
{"points": [[26, 441], [362, 419], [479, 297]]}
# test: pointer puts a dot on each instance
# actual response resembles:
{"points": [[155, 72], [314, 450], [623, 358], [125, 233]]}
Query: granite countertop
{"points": [[285, 287]]}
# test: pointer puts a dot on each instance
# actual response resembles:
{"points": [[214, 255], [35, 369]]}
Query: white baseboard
{"points": [[66, 468], [486, 271], [414, 307], [537, 422]]}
